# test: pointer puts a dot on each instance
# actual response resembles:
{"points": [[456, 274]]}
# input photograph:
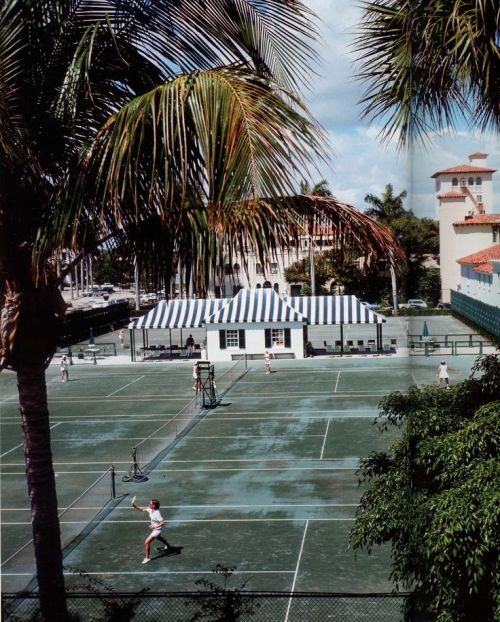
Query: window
{"points": [[462, 181], [454, 182], [228, 269], [274, 268], [232, 339], [479, 198], [278, 337], [496, 235], [258, 269], [236, 269], [276, 288], [479, 181], [471, 181]]}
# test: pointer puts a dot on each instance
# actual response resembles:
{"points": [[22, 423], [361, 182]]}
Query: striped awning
{"points": [[334, 310], [182, 313], [255, 305]]}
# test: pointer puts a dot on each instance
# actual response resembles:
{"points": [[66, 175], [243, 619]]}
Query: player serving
{"points": [[157, 525]]}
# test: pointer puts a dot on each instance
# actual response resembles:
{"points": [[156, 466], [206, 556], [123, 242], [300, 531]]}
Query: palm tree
{"points": [[388, 207], [429, 64], [320, 189], [157, 124]]}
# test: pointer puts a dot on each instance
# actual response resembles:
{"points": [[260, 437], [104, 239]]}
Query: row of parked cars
{"points": [[413, 303]]}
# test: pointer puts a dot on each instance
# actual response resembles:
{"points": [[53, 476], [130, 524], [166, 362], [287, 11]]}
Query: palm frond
{"points": [[427, 64]]}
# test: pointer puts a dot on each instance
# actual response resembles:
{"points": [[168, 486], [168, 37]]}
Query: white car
{"points": [[414, 303]]}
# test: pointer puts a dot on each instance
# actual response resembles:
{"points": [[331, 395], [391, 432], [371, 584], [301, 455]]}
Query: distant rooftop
{"points": [[478, 219]]}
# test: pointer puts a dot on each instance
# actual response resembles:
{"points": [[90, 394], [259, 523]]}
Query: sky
{"points": [[361, 164]]}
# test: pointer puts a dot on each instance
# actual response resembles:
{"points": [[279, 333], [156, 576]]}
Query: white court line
{"points": [[324, 440], [296, 571], [22, 444], [337, 383], [183, 521], [156, 572], [119, 472], [125, 386], [211, 506], [198, 461]]}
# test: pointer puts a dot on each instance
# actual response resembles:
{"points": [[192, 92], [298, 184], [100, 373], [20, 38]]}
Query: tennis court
{"points": [[265, 482]]}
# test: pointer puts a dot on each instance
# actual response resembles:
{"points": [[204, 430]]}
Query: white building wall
{"points": [[449, 210], [254, 340], [481, 286]]}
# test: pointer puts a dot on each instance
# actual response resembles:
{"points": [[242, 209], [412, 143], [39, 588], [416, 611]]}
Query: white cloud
{"points": [[361, 164]]}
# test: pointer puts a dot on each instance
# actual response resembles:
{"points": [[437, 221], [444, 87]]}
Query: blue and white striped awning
{"points": [[182, 313], [334, 310], [255, 305]]}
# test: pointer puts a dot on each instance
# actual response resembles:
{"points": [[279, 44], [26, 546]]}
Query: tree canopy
{"points": [[434, 495], [429, 65]]}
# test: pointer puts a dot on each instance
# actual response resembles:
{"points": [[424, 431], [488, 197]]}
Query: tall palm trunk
{"points": [[42, 493], [30, 322]]}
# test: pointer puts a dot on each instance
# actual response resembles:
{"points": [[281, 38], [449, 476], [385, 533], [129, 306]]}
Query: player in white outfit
{"points": [[442, 375], [157, 524]]}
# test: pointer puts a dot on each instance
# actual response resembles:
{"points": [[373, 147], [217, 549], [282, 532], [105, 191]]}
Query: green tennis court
{"points": [[265, 482]]}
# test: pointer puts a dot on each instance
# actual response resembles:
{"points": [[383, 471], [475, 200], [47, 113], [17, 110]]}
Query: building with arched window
{"points": [[467, 221]]}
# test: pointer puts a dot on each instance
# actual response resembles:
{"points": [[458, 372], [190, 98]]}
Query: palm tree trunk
{"points": [[42, 493]]}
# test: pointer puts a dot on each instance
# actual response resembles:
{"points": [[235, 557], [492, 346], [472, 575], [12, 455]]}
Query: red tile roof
{"points": [[479, 219], [478, 154], [487, 267], [464, 169], [482, 257], [452, 195]]}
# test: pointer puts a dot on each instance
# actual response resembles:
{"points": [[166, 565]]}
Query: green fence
{"points": [[450, 344], [483, 315], [252, 607]]}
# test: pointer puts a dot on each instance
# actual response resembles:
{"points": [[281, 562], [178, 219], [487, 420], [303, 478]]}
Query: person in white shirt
{"points": [[64, 369], [442, 375], [267, 362], [157, 524]]}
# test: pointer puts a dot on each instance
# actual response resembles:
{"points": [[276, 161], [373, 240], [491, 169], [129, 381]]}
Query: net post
{"points": [[113, 482]]}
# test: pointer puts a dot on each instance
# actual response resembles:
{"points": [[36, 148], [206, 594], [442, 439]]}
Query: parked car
{"points": [[443, 305], [414, 303], [108, 287], [374, 306]]}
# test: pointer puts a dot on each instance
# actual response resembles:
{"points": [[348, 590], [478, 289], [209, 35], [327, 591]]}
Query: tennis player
{"points": [[157, 524]]}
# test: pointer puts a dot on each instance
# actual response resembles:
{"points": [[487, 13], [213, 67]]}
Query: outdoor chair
{"points": [[329, 349], [387, 348], [338, 349]]}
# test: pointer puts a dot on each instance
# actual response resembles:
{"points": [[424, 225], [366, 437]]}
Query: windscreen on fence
{"points": [[248, 606]]}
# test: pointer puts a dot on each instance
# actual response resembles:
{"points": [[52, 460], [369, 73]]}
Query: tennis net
{"points": [[153, 448], [76, 521]]}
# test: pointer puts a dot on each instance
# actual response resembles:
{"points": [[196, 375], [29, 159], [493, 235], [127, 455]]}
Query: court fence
{"points": [[227, 606], [448, 344]]}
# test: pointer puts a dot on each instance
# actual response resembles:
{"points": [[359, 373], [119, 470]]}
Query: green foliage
{"points": [[429, 285], [434, 495], [222, 604], [419, 238], [116, 608], [429, 65], [112, 269]]}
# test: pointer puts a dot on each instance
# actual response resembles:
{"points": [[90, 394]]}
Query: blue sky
{"points": [[360, 163]]}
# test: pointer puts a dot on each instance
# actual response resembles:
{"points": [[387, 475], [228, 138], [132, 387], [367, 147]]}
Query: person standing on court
{"points": [[64, 369], [267, 362], [190, 345], [442, 375], [156, 526], [196, 379], [121, 337]]}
